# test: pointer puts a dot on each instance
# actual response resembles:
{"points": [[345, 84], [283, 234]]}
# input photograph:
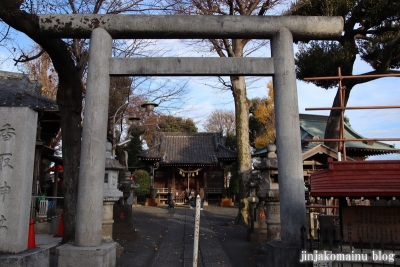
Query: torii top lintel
{"points": [[303, 28]]}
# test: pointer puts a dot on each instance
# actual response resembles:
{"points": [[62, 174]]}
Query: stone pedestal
{"points": [[107, 221], [111, 193], [258, 231], [282, 254], [273, 220], [123, 227], [104, 255]]}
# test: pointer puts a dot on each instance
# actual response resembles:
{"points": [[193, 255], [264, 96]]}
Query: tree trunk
{"points": [[71, 129], [69, 100], [71, 146], [244, 153], [333, 124]]}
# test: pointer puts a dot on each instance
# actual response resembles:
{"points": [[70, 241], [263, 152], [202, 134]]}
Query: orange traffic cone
{"points": [[61, 226], [31, 235]]}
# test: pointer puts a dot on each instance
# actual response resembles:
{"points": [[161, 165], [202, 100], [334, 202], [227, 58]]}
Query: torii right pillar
{"points": [[291, 181]]}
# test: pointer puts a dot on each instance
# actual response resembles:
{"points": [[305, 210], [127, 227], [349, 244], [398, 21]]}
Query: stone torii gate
{"points": [[101, 29]]}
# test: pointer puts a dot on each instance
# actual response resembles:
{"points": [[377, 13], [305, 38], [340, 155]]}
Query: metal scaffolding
{"points": [[342, 91]]}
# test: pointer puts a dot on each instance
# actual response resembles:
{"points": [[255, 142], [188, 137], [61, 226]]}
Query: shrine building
{"points": [[185, 161]]}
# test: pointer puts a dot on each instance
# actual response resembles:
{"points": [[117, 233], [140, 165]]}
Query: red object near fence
{"points": [[31, 234], [60, 232]]}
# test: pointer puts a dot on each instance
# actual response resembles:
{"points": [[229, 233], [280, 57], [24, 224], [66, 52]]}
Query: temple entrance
{"points": [[281, 30]]}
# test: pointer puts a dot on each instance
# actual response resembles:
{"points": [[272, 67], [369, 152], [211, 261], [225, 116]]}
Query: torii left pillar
{"points": [[88, 249]]}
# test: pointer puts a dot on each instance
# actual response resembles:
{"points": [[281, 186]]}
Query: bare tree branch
{"points": [[24, 58]]}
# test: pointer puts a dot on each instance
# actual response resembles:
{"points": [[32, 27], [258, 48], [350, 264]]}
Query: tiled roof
{"points": [[313, 127], [18, 89], [189, 148], [357, 178]]}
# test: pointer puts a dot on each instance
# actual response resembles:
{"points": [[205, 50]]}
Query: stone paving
{"points": [[177, 246], [165, 238]]}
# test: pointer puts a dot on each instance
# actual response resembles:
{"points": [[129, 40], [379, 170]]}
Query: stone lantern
{"points": [[269, 193], [111, 192], [257, 233], [127, 186], [124, 226]]}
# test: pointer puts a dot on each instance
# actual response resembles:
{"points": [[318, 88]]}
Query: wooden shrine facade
{"points": [[185, 161]]}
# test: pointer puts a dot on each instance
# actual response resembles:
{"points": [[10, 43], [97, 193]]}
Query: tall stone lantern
{"points": [[111, 192], [269, 193]]}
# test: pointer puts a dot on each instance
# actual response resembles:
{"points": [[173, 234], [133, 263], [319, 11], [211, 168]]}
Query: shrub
{"points": [[142, 178]]}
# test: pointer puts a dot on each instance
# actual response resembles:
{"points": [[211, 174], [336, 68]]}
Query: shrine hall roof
{"points": [[189, 148], [313, 127], [21, 90]]}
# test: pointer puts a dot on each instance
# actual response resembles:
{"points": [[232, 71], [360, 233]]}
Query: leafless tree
{"points": [[237, 84], [221, 121], [69, 58]]}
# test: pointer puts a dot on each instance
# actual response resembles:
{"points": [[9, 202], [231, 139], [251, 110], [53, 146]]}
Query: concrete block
{"points": [[104, 255], [17, 153], [27, 258]]}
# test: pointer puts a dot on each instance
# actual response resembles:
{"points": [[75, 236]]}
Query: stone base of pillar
{"points": [[282, 254], [70, 255], [31, 257]]}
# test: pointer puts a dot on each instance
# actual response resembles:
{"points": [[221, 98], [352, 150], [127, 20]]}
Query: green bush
{"points": [[142, 178]]}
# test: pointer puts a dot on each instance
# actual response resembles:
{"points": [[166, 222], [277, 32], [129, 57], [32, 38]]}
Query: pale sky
{"points": [[203, 99]]}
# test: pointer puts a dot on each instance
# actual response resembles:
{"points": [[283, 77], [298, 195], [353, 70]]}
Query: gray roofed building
{"points": [[189, 160], [21, 90], [313, 127], [189, 148], [18, 89]]}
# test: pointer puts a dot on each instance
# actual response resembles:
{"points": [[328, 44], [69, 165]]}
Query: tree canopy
{"points": [[262, 121], [221, 121], [168, 123], [371, 32]]}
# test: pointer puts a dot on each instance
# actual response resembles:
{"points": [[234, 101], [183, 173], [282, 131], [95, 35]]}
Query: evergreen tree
{"points": [[170, 123], [134, 148], [371, 30]]}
